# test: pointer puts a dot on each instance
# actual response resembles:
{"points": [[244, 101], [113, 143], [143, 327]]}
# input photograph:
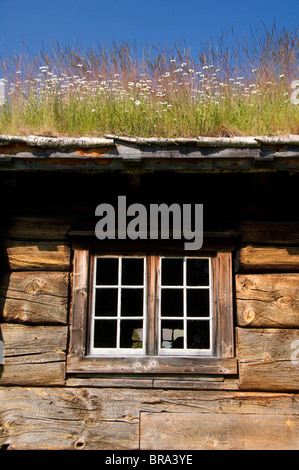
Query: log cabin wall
{"points": [[42, 407]]}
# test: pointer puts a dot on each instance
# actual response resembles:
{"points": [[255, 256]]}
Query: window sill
{"points": [[151, 365]]}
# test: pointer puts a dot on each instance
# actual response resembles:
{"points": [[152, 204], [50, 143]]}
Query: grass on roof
{"points": [[246, 88]]}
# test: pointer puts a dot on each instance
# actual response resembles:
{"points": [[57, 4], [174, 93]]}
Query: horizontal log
{"points": [[37, 228], [268, 258], [56, 142], [268, 359], [70, 418], [39, 255], [34, 298], [273, 232], [194, 431], [267, 300], [33, 355]]}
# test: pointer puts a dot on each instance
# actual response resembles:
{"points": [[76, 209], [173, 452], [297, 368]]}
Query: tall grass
{"points": [[230, 86]]}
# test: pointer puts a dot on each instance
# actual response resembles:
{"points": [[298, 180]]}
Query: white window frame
{"points": [[185, 350], [118, 351]]}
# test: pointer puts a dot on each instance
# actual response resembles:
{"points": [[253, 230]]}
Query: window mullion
{"points": [[119, 303], [185, 303], [152, 310]]}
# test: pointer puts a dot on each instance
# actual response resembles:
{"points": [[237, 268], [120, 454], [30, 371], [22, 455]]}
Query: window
{"points": [[185, 306], [118, 306], [152, 313]]}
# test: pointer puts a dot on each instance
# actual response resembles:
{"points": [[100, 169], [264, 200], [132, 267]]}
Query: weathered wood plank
{"points": [[37, 228], [267, 300], [268, 258], [197, 383], [34, 355], [79, 303], [194, 431], [34, 298], [39, 255], [70, 418], [155, 381], [176, 159], [222, 265], [151, 365], [268, 359]]}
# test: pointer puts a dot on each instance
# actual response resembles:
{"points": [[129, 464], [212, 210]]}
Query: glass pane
{"points": [[131, 334], [172, 334], [198, 302], [132, 271], [105, 333], [107, 271], [106, 302], [198, 334], [197, 272], [132, 302], [172, 303], [172, 271]]}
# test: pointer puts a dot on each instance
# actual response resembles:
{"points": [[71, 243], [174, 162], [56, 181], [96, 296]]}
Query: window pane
{"points": [[132, 302], [106, 302], [105, 333], [198, 302], [197, 272], [131, 334], [172, 271], [107, 271], [172, 303], [198, 334], [172, 334], [132, 271]]}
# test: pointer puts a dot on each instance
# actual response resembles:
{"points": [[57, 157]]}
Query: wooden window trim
{"points": [[224, 362]]}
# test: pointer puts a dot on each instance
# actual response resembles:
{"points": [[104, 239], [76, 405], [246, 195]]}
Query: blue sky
{"points": [[90, 22]]}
